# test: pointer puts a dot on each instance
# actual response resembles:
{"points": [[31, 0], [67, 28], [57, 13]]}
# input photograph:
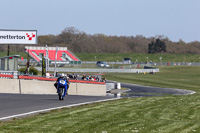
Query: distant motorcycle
{"points": [[62, 88]]}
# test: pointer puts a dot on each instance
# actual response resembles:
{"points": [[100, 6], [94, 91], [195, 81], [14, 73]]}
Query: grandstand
{"points": [[64, 56]]}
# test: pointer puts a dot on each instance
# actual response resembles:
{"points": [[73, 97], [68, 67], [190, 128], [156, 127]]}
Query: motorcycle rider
{"points": [[62, 77]]}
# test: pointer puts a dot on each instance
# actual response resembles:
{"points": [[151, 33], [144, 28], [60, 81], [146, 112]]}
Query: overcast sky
{"points": [[176, 19]]}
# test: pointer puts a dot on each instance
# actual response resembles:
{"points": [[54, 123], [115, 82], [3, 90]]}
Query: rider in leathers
{"points": [[64, 78]]}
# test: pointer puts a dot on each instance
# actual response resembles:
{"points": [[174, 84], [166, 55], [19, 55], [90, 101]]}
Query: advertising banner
{"points": [[18, 36]]}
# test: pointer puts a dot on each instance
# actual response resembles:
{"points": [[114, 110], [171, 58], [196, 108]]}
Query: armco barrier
{"points": [[106, 70]]}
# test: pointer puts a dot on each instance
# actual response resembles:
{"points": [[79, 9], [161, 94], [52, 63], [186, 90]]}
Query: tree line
{"points": [[79, 42]]}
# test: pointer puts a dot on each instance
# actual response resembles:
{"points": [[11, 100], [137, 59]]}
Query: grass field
{"points": [[114, 57]]}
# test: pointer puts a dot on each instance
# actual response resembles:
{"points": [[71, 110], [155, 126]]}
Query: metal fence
{"points": [[101, 70]]}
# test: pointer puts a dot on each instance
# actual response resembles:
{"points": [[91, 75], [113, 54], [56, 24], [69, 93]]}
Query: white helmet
{"points": [[62, 75]]}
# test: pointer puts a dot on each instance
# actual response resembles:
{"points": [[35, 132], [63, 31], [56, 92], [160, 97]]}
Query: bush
{"points": [[32, 70], [22, 70]]}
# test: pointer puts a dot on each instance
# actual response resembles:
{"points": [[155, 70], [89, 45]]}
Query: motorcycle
{"points": [[62, 89]]}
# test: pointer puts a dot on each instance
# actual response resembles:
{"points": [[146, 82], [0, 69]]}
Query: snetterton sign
{"points": [[18, 36]]}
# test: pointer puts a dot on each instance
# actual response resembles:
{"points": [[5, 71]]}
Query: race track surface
{"points": [[19, 105], [15, 105], [139, 90]]}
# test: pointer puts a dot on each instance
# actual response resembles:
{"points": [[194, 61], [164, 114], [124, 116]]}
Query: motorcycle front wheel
{"points": [[60, 93]]}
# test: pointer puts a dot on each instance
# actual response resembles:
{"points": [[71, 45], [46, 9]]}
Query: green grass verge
{"points": [[171, 114]]}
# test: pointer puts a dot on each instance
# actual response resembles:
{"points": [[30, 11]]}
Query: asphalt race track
{"points": [[138, 90], [20, 105]]}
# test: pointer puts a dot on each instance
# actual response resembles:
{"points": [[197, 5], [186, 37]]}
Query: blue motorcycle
{"points": [[62, 88]]}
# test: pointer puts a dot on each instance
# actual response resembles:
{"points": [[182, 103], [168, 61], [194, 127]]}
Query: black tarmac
{"points": [[20, 105]]}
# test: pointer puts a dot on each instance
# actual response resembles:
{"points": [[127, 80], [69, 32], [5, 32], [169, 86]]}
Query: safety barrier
{"points": [[6, 76], [54, 79], [25, 86], [36, 78], [47, 79]]}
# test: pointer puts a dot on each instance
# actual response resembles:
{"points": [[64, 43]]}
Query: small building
{"points": [[9, 63], [127, 61]]}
